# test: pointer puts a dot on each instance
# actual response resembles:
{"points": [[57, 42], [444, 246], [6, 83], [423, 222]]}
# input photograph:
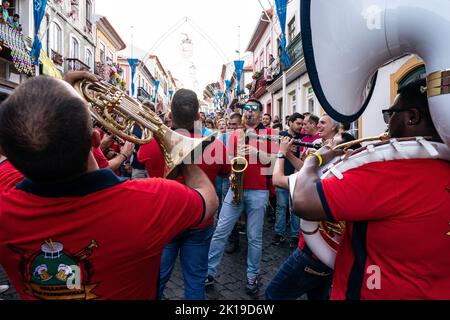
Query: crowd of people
{"points": [[63, 188]]}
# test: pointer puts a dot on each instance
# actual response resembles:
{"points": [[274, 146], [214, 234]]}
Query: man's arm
{"points": [[125, 154], [195, 178], [279, 179], [306, 199]]}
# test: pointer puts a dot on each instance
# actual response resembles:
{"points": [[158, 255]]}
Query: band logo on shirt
{"points": [[53, 273]]}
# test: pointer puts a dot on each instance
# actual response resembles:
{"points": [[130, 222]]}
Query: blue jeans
{"points": [[300, 275], [282, 206], [255, 203], [193, 246]]}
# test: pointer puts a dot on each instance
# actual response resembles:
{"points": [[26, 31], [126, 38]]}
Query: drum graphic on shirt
{"points": [[53, 273]]}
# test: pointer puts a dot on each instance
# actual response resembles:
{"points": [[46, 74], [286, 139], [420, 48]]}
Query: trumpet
{"points": [[277, 139], [119, 114]]}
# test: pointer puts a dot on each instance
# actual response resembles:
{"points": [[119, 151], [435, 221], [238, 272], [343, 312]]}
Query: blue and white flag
{"points": [[38, 12], [133, 64], [156, 91], [239, 69], [281, 11]]}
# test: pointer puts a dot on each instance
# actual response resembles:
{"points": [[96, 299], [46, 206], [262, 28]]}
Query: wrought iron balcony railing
{"points": [[74, 64]]}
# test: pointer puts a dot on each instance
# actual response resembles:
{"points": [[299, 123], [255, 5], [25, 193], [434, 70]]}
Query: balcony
{"points": [[57, 58], [142, 94], [74, 64], [295, 49]]}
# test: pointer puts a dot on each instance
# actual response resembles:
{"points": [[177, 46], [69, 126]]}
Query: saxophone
{"points": [[238, 166]]}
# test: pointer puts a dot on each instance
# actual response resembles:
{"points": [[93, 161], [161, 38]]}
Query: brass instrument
{"points": [[345, 146], [238, 167], [118, 113]]}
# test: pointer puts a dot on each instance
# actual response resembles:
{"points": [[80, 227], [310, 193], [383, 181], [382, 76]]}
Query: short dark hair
{"points": [[45, 131], [278, 126], [346, 126], [185, 107], [257, 102], [236, 116], [306, 114], [347, 137], [296, 116], [16, 16], [148, 104], [313, 119], [268, 115], [415, 95]]}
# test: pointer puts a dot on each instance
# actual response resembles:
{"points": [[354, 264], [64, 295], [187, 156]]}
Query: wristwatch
{"points": [[281, 155]]}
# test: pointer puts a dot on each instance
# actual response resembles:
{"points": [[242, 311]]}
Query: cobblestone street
{"points": [[231, 278]]}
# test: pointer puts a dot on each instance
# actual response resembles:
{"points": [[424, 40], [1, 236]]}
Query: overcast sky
{"points": [[218, 20]]}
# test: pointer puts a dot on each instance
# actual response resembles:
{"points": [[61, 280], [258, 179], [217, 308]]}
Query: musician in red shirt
{"points": [[192, 245], [69, 230], [396, 242], [255, 199]]}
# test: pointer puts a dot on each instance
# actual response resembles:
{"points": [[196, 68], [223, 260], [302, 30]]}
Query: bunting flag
{"points": [[38, 12], [156, 92], [170, 94], [239, 69], [281, 11], [133, 64], [227, 92]]}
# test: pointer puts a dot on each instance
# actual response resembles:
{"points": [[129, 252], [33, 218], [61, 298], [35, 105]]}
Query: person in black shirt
{"points": [[295, 126]]}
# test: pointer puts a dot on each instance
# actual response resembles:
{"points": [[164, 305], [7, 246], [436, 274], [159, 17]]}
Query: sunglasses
{"points": [[250, 108], [388, 113]]}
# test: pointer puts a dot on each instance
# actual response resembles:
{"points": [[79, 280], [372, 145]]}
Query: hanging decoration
{"points": [[13, 39]]}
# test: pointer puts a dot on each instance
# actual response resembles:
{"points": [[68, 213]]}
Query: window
{"points": [[74, 48], [88, 59], [261, 59], [268, 53], [293, 98], [12, 7], [74, 10], [88, 11], [56, 38], [310, 99], [110, 57], [102, 52], [291, 30]]}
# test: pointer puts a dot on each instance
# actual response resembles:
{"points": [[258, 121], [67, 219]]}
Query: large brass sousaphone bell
{"points": [[119, 114]]}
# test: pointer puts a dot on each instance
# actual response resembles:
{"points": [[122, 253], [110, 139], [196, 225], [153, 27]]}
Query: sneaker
{"points": [[278, 240], [252, 286], [209, 281], [293, 243], [231, 247], [3, 289]]}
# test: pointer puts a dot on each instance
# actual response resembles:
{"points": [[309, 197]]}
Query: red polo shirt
{"points": [[398, 223], [213, 163], [258, 175], [110, 233]]}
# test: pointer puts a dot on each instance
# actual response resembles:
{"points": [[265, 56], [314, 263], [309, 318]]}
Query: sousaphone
{"points": [[345, 43]]}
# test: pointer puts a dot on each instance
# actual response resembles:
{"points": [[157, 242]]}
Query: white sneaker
{"points": [[3, 289]]}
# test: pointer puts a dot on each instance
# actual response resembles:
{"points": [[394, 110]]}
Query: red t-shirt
{"points": [[100, 158], [213, 163], [257, 176], [108, 231], [398, 215]]}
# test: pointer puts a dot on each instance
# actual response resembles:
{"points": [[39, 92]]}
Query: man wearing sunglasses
{"points": [[396, 212], [254, 202]]}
